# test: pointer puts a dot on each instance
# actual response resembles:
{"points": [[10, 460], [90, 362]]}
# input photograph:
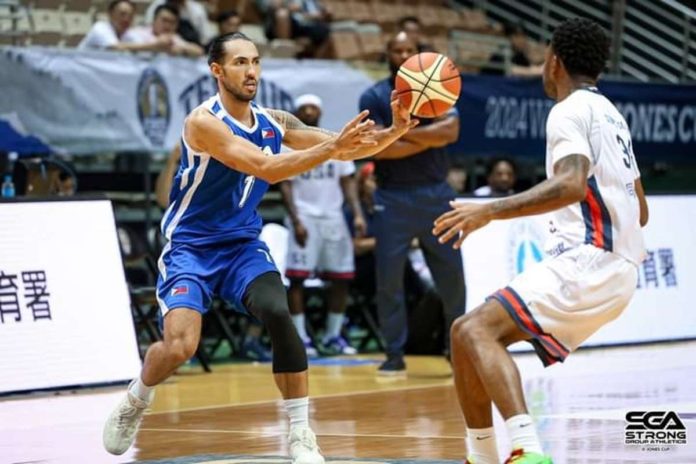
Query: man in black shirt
{"points": [[412, 191]]}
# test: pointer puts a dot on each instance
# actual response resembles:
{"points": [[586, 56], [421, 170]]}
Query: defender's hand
{"points": [[463, 219]]}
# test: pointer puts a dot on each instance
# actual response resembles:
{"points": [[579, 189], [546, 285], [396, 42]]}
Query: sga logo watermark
{"points": [[654, 428]]}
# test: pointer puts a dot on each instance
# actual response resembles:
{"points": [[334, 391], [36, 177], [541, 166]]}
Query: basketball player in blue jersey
{"points": [[230, 148]]}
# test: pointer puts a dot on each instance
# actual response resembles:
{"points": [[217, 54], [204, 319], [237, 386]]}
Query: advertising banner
{"points": [[65, 317]]}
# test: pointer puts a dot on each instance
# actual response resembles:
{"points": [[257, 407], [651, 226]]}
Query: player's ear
{"points": [[216, 69]]}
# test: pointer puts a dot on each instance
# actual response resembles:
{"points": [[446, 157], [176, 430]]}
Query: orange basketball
{"points": [[428, 84]]}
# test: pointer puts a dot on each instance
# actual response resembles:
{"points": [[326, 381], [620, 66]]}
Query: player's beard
{"points": [[238, 93]]}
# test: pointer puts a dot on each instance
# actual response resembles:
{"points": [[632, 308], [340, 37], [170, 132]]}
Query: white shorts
{"points": [[563, 300], [328, 251]]}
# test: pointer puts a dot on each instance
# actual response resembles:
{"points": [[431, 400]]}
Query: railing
{"points": [[651, 40]]}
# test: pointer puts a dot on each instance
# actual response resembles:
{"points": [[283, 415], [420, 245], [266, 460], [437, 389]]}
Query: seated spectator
{"points": [[501, 177], [411, 25], [228, 22], [521, 64], [193, 19], [456, 178], [298, 19], [114, 34], [164, 29]]}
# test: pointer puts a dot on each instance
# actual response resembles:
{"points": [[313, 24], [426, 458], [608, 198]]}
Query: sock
{"points": [[334, 323], [299, 321], [298, 412], [523, 433], [482, 446], [141, 391]]}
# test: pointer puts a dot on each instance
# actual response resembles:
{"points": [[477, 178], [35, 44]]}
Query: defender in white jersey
{"points": [[594, 189], [320, 244]]}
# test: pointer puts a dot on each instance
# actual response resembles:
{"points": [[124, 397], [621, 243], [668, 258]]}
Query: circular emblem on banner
{"points": [[154, 110], [525, 245]]}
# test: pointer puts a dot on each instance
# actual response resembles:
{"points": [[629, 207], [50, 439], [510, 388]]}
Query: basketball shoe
{"points": [[518, 456], [122, 424], [303, 446]]}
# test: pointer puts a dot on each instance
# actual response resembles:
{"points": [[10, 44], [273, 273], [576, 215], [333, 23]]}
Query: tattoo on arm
{"points": [[291, 122], [556, 192]]}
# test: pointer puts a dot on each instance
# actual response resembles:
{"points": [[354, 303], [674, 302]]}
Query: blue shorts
{"points": [[191, 275]]}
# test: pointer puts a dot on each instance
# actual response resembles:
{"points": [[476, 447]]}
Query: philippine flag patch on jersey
{"points": [[267, 133], [180, 290]]}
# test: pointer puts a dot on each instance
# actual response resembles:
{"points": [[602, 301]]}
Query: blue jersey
{"points": [[212, 203]]}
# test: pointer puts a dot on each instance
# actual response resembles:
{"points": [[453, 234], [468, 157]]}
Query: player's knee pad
{"points": [[267, 301]]}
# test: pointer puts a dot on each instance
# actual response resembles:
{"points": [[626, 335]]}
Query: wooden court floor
{"points": [[579, 408]]}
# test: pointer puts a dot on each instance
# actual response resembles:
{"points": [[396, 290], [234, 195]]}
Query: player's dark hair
{"points": [[167, 7], [114, 3], [408, 19], [225, 15], [216, 52], [582, 46], [492, 164]]}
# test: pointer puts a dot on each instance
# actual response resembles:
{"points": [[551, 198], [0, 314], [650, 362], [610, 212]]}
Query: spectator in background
{"points": [[320, 243], [501, 177], [412, 191], [164, 28], [412, 26], [228, 22], [298, 19], [521, 65], [116, 34], [193, 24], [456, 178]]}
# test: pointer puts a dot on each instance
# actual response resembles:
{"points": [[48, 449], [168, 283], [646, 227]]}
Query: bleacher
{"points": [[359, 28]]}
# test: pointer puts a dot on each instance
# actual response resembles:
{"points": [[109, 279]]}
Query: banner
{"points": [[662, 307], [507, 116], [65, 317], [84, 102]]}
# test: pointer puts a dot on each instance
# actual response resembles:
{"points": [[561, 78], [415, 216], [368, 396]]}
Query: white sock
{"points": [[482, 446], [334, 323], [141, 391], [523, 433], [298, 412], [299, 321]]}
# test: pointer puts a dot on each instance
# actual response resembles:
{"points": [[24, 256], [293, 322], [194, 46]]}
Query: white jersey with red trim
{"points": [[318, 192], [586, 123]]}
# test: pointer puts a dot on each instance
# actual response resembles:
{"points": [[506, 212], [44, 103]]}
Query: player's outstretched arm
{"points": [[567, 186], [205, 133], [401, 124], [299, 135]]}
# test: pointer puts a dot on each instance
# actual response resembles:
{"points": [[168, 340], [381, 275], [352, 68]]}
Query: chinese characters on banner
{"points": [[34, 292], [658, 269]]}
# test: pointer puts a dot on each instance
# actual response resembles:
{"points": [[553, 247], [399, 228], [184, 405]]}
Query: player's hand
{"points": [[463, 219], [401, 117], [300, 233], [360, 226], [357, 134]]}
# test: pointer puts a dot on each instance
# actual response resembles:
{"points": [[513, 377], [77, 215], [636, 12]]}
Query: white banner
{"points": [[662, 307], [65, 315], [84, 102]]}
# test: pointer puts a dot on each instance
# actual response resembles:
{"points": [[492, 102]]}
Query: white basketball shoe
{"points": [[303, 446], [122, 424]]}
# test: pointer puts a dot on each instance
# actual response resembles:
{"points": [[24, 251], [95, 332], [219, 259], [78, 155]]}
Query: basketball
{"points": [[428, 84]]}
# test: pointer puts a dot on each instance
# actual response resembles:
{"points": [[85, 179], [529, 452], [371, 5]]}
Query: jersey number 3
{"points": [[250, 180], [628, 155]]}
